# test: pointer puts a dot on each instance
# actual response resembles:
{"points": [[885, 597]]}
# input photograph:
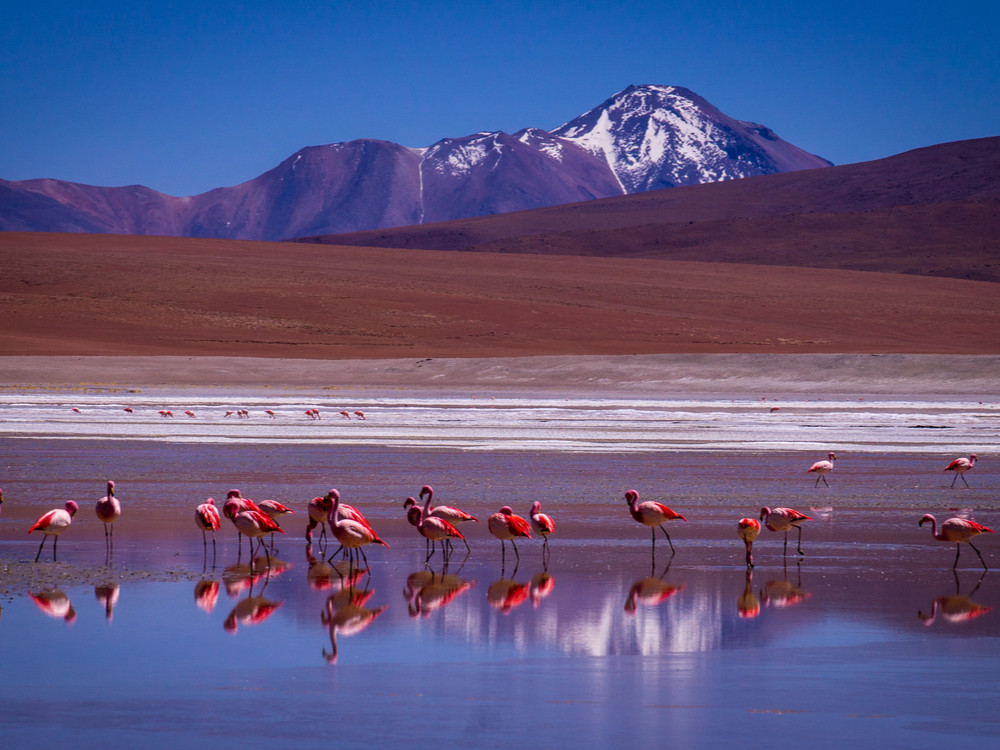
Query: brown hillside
{"points": [[120, 295], [933, 211]]}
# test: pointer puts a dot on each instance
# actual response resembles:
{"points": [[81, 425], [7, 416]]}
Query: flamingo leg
{"points": [[515, 551], [958, 551], [668, 539], [964, 480], [55, 546], [749, 556], [40, 547], [980, 556], [786, 544], [800, 541], [823, 477]]}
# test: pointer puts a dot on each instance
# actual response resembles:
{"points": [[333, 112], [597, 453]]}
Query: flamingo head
{"points": [[507, 510], [764, 512], [230, 508], [415, 515], [927, 518], [72, 507], [833, 456], [426, 490], [409, 502], [631, 497], [210, 501], [111, 488], [233, 493], [536, 507]]}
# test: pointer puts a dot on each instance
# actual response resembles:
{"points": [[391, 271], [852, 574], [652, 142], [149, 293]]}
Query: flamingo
{"points": [[108, 509], [783, 519], [436, 530], [822, 468], [206, 516], [270, 413], [274, 510], [960, 466], [652, 514], [128, 409], [54, 523], [235, 503], [504, 525], [451, 515], [542, 524], [352, 535], [255, 524], [748, 529], [957, 530], [345, 415], [359, 414], [189, 412]]}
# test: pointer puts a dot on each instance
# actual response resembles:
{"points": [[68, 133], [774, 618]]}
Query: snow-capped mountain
{"points": [[643, 138]]}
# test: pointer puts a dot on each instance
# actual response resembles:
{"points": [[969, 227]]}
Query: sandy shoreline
{"points": [[653, 374]]}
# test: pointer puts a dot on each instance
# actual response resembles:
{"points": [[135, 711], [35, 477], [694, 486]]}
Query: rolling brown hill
{"points": [[82, 294], [933, 211]]}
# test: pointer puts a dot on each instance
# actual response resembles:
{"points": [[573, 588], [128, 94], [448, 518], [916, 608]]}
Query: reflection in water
{"points": [[427, 591], [55, 603], [540, 587], [107, 595], [747, 605], [650, 591], [956, 608], [505, 594], [206, 594], [250, 611], [783, 593], [344, 613]]}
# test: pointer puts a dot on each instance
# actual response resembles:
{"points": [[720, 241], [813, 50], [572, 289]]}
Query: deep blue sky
{"points": [[188, 95]]}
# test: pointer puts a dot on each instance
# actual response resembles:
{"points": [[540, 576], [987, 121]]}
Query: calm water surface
{"points": [[870, 637]]}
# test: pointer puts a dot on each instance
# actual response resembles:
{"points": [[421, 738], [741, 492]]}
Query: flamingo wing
{"points": [[43, 522]]}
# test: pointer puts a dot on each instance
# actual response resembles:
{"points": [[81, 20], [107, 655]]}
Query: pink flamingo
{"points": [[748, 529], [957, 530], [437, 530], [206, 516], [822, 468], [542, 524], [345, 415], [783, 519], [652, 514], [54, 523], [189, 413], [235, 503], [359, 414], [254, 525], [269, 413], [274, 510], [504, 525], [108, 509], [352, 535], [451, 515], [128, 409], [960, 466], [319, 509]]}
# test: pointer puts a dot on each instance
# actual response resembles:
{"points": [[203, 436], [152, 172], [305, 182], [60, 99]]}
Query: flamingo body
{"points": [[54, 523], [958, 530], [784, 519], [506, 526], [448, 513]]}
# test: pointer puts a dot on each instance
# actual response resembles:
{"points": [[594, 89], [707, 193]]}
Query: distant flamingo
{"points": [[748, 529], [783, 519], [822, 468], [957, 530], [960, 466], [352, 535], [652, 514], [128, 409], [345, 415], [437, 530], [504, 525], [54, 523], [269, 413], [206, 516], [542, 524], [254, 525], [108, 509], [76, 411], [359, 414], [189, 413]]}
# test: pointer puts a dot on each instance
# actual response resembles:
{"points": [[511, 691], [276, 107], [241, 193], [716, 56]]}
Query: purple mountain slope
{"points": [[644, 138]]}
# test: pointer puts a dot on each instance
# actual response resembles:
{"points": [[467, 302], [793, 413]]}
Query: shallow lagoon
{"points": [[870, 636]]}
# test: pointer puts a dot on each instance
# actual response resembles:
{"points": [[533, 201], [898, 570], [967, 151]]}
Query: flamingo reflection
{"points": [[250, 611], [427, 591], [650, 592], [56, 604], [323, 575], [783, 593], [540, 587], [206, 594], [956, 608], [505, 594], [107, 594], [345, 613], [748, 605]]}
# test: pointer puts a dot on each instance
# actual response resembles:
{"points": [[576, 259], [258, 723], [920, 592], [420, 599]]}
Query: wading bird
{"points": [[436, 530], [108, 510], [783, 519], [960, 466], [352, 535], [652, 514], [504, 525], [542, 524], [206, 516], [822, 468], [748, 529], [957, 530], [54, 523]]}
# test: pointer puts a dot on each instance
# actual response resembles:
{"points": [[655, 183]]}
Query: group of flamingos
{"points": [[439, 524]]}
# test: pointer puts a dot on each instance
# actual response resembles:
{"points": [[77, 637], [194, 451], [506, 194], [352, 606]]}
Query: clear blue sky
{"points": [[188, 95]]}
